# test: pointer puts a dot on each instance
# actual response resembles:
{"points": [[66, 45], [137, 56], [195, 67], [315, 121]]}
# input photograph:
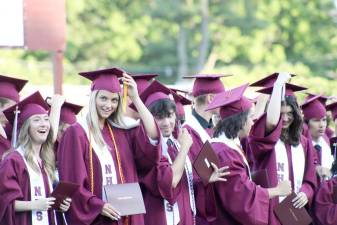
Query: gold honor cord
{"points": [[125, 96], [91, 166]]}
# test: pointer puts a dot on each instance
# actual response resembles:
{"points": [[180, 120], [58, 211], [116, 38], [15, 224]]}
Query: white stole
{"points": [[108, 170], [172, 212], [327, 158], [194, 123], [233, 144], [37, 191], [282, 164]]}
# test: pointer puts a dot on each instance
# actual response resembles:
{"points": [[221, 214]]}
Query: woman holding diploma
{"points": [[106, 148], [27, 174], [278, 145]]}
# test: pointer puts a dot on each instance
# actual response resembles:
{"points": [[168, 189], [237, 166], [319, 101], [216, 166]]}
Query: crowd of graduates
{"points": [[136, 131]]}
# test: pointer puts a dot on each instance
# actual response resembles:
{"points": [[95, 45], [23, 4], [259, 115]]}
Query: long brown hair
{"points": [[47, 152], [292, 135]]}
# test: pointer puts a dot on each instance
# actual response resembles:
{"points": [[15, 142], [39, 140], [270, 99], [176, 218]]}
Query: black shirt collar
{"points": [[204, 123]]}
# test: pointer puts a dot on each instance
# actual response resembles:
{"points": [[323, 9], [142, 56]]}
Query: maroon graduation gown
{"points": [[136, 152], [329, 132], [161, 188], [15, 185], [263, 149], [325, 210], [238, 200], [5, 145]]}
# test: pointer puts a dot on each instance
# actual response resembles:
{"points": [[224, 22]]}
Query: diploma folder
{"points": [[202, 164], [127, 198], [289, 215], [260, 177], [62, 191]]}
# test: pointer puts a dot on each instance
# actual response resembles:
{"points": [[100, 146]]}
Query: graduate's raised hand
{"points": [[282, 78], [57, 100], [109, 211], [65, 205], [43, 204], [301, 200], [131, 85], [185, 140], [219, 174], [284, 188]]}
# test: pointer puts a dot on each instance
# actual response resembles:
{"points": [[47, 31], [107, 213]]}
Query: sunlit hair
{"points": [[47, 152], [92, 118]]}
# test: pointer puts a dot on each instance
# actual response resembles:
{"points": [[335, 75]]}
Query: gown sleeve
{"points": [[73, 147]]}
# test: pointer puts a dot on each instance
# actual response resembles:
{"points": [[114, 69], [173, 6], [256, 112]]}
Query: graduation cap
{"points": [[231, 102], [180, 102], [143, 81], [207, 84], [333, 108], [154, 92], [105, 79], [313, 108], [323, 99], [10, 87], [290, 89], [176, 90], [69, 112], [268, 80], [19, 113]]}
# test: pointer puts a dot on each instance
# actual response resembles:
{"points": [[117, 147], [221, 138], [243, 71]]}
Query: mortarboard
{"points": [[207, 84], [313, 108], [154, 92], [105, 79], [69, 112], [323, 99], [290, 89], [180, 102], [20, 112], [143, 81], [231, 102], [267, 81], [10, 87]]}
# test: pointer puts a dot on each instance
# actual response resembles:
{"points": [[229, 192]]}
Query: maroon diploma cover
{"points": [[126, 198]]}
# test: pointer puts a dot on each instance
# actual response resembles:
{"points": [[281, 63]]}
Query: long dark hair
{"points": [[231, 125], [292, 135]]}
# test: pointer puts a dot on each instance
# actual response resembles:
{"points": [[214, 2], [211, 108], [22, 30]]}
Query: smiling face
{"points": [[166, 123], [287, 116], [39, 127], [106, 103]]}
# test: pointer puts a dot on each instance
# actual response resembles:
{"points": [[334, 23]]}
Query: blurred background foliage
{"points": [[246, 38]]}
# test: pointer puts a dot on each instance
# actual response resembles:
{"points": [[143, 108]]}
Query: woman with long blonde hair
{"points": [[28, 172], [106, 148]]}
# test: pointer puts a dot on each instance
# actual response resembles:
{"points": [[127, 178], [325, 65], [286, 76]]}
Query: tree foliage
{"points": [[249, 38]]}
